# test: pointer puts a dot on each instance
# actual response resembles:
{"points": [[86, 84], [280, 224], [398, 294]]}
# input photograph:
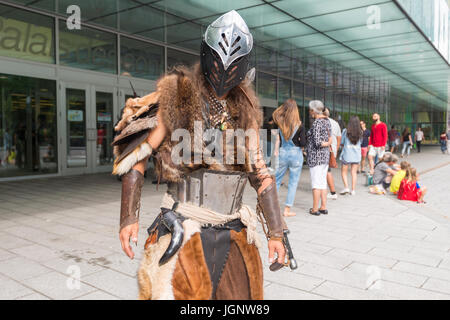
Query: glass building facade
{"points": [[62, 87]]}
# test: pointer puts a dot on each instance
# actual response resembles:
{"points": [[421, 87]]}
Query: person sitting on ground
{"points": [[383, 173], [399, 176], [410, 188]]}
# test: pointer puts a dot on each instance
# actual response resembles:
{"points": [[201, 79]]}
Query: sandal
{"points": [[323, 211], [317, 213]]}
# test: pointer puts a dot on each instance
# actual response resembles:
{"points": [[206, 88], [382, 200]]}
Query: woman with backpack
{"points": [[293, 140]]}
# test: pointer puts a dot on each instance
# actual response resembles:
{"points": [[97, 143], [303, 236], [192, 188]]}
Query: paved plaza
{"points": [[369, 246]]}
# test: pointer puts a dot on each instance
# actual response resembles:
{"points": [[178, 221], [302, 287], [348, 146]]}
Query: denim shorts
{"points": [[348, 163]]}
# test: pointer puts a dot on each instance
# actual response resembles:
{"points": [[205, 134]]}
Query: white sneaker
{"points": [[345, 191], [353, 192], [332, 196]]}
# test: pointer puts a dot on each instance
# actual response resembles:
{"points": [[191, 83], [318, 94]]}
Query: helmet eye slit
{"points": [[235, 50], [236, 41], [222, 47], [225, 39]]}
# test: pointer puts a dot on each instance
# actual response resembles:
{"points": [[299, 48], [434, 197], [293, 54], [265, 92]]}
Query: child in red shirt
{"points": [[410, 189]]}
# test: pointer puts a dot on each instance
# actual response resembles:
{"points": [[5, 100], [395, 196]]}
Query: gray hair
{"points": [[390, 157], [316, 106]]}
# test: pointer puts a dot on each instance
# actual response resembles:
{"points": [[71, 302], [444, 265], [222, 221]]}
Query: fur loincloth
{"points": [[155, 282]]}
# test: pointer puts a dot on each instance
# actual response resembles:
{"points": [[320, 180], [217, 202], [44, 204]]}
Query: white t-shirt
{"points": [[419, 135], [335, 132]]}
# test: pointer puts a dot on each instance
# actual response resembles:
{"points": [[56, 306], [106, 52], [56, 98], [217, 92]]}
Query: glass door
{"points": [[103, 118], [74, 129], [87, 118]]}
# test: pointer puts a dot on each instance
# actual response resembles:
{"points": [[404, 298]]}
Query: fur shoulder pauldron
{"points": [[132, 130]]}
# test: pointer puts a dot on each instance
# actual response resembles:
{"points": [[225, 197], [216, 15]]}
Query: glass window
{"points": [[298, 96], [319, 94], [175, 57], [353, 101], [140, 59], [104, 114], [26, 35], [309, 72], [346, 108], [266, 60], [48, 5], [297, 69], [329, 100], [28, 133], [267, 85], [76, 128], [102, 12], [309, 94], [320, 76], [298, 92], [142, 21], [284, 65], [183, 33], [337, 103], [87, 48], [284, 90]]}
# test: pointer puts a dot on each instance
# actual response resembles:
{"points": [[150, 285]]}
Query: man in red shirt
{"points": [[377, 141]]}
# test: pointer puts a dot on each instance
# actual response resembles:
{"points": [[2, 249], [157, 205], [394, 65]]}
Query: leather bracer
{"points": [[270, 207], [132, 183]]}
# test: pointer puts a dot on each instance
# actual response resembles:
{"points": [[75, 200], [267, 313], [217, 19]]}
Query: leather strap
{"points": [[132, 183]]}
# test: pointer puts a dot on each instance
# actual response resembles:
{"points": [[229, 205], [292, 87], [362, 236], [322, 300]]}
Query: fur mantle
{"points": [[181, 102]]}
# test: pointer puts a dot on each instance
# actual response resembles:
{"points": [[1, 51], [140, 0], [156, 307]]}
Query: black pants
{"points": [[418, 143]]}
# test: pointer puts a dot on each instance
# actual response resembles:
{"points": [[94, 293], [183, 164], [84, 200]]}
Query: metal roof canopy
{"points": [[338, 34]]}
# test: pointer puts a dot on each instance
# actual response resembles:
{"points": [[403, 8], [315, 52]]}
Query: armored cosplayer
{"points": [[204, 243]]}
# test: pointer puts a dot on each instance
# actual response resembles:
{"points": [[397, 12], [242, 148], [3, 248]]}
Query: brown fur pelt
{"points": [[155, 282], [252, 262], [181, 101], [186, 275], [135, 107]]}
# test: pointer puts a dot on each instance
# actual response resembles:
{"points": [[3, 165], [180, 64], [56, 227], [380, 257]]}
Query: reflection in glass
{"points": [[28, 143], [87, 49], [48, 5], [104, 114], [76, 128], [267, 86], [266, 60], [183, 34], [140, 59], [284, 90], [142, 21], [175, 57], [26, 35]]}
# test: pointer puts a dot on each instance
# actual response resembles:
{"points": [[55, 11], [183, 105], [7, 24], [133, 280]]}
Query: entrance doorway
{"points": [[87, 127]]}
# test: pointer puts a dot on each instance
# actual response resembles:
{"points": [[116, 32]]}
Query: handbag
{"points": [[333, 162]]}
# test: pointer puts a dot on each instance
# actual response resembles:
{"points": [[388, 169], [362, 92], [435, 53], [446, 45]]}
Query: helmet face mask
{"points": [[225, 51]]}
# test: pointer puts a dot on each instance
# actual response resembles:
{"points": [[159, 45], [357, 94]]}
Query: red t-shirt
{"points": [[408, 191], [378, 135]]}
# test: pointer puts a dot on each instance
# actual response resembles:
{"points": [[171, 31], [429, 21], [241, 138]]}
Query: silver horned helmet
{"points": [[225, 51]]}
